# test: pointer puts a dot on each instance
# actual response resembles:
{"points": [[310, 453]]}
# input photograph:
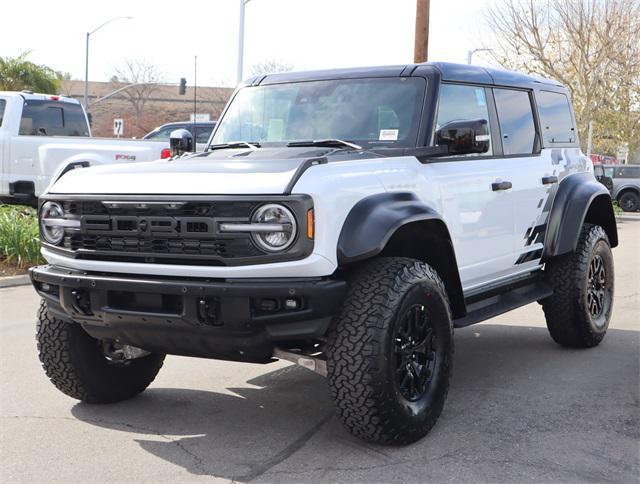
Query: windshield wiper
{"points": [[337, 143], [234, 144]]}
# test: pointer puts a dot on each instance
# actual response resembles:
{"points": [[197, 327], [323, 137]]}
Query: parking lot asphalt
{"points": [[520, 409]]}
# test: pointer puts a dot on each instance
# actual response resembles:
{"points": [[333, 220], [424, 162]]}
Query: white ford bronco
{"points": [[346, 220]]}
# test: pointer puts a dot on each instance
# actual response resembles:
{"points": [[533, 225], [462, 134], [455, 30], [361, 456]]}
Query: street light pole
{"points": [[86, 58], [86, 74], [241, 41], [471, 52]]}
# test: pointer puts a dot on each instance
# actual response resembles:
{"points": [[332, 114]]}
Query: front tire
{"points": [[76, 363], [580, 308], [390, 351]]}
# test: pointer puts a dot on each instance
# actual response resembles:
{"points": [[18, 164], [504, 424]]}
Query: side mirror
{"points": [[465, 136], [180, 141]]}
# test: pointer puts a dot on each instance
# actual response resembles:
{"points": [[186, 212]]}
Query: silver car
{"points": [[623, 181]]}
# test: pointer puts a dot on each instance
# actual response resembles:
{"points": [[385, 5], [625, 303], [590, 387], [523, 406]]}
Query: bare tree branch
{"points": [[591, 46]]}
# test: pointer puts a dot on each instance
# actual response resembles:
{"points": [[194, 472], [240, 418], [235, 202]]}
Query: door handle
{"points": [[504, 185], [548, 180]]}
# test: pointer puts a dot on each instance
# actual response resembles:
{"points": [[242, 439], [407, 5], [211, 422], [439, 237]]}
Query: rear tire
{"points": [[629, 202], [580, 308], [76, 363], [390, 351]]}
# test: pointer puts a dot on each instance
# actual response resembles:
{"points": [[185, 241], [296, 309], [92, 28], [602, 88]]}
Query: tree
{"points": [[270, 66], [591, 46], [146, 76], [17, 73]]}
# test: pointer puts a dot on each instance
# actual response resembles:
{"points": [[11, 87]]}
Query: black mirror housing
{"points": [[180, 141], [465, 137]]}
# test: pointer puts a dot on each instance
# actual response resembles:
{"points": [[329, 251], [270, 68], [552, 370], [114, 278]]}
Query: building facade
{"points": [[143, 110]]}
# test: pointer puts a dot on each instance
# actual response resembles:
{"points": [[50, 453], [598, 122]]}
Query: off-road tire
{"points": [[76, 365], [629, 202], [360, 361], [569, 319]]}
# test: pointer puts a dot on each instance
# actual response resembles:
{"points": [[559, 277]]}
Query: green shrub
{"points": [[616, 208], [19, 237]]}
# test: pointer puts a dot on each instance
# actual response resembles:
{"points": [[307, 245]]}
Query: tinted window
{"points": [[555, 117], [368, 112], [516, 121], [75, 123], [48, 118], [627, 172], [459, 103], [203, 133], [3, 103]]}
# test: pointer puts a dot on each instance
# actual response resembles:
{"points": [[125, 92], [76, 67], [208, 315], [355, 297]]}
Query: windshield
{"points": [[368, 112]]}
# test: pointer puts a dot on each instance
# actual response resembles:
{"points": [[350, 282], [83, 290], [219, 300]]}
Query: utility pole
{"points": [[590, 139], [421, 49]]}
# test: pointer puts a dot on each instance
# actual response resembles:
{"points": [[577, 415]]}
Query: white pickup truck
{"points": [[42, 135]]}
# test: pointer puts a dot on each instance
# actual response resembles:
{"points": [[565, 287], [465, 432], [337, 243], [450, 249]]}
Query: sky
{"points": [[308, 34]]}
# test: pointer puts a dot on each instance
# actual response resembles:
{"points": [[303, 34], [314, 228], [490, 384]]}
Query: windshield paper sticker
{"points": [[388, 135]]}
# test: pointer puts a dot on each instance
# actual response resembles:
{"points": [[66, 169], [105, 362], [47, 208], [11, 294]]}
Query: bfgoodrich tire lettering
{"points": [[579, 310], [368, 350], [76, 365]]}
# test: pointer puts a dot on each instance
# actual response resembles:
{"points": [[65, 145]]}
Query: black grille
{"points": [[193, 209], [226, 248], [186, 238]]}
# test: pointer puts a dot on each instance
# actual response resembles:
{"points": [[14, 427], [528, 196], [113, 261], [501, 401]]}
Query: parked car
{"points": [[200, 130], [345, 220], [42, 135], [623, 182]]}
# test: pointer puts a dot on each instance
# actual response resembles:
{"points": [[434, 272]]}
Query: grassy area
{"points": [[19, 239], [616, 208]]}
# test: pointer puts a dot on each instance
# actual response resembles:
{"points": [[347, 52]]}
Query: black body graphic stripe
{"points": [[529, 256], [535, 233]]}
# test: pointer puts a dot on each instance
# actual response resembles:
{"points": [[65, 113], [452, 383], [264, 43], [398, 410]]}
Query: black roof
{"points": [[448, 72]]}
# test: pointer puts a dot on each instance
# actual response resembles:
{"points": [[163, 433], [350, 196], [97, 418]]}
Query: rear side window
{"points": [[3, 103], [627, 172], [555, 117], [50, 118], [459, 103], [515, 117]]}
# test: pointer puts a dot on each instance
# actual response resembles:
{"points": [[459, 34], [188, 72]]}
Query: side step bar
{"points": [[480, 309]]}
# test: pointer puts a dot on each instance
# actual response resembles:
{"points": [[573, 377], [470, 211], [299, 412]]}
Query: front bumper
{"points": [[232, 319]]}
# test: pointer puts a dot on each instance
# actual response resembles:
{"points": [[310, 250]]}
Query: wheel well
{"points": [[601, 213], [627, 190], [429, 241]]}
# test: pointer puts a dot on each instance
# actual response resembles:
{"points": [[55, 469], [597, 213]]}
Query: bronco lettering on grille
{"points": [[148, 226]]}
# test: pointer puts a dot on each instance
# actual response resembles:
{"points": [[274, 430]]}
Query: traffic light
{"points": [[182, 90]]}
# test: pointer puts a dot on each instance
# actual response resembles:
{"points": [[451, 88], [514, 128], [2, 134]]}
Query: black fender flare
{"points": [[374, 219], [72, 166], [575, 196]]}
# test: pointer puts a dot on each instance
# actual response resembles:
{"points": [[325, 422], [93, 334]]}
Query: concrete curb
{"points": [[626, 218], [12, 281]]}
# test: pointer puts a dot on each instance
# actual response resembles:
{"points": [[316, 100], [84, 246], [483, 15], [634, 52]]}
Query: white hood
{"points": [[264, 171]]}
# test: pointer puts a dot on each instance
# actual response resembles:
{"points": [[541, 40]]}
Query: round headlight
{"points": [[280, 227], [53, 234]]}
